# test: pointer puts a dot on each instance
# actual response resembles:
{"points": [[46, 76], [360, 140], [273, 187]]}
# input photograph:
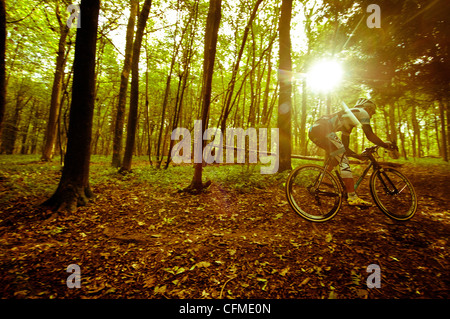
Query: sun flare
{"points": [[324, 75]]}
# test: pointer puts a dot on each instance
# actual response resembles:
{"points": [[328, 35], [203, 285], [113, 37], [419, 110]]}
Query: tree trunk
{"points": [[393, 129], [443, 134], [176, 113], [73, 189], [264, 114], [231, 84], [303, 139], [160, 157], [12, 127], [273, 101], [183, 78], [148, 130], [134, 94], [62, 127], [447, 108], [26, 128], [303, 129], [176, 48], [182, 85], [402, 134], [436, 130], [2, 63], [417, 137], [211, 34], [386, 122], [285, 79], [149, 123], [52, 124], [120, 115], [36, 128]]}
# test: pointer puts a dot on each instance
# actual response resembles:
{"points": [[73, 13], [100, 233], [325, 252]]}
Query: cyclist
{"points": [[323, 134]]}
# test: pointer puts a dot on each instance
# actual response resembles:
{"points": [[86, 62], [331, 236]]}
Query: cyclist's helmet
{"points": [[367, 104]]}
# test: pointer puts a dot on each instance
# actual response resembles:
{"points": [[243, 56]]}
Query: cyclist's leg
{"points": [[345, 170], [337, 151], [334, 147], [318, 135]]}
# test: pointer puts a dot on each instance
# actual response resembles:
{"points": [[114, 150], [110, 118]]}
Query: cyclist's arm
{"points": [[371, 136], [345, 138]]}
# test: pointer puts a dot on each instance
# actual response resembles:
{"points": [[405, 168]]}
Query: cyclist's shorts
{"points": [[323, 137]]}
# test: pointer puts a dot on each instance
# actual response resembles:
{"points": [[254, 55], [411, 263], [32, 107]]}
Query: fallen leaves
{"points": [[160, 289], [202, 264], [284, 271], [218, 244], [176, 270], [304, 282]]}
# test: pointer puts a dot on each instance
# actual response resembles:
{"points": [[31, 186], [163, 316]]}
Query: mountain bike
{"points": [[316, 194]]}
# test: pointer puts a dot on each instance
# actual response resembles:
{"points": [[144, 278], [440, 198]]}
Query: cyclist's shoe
{"points": [[356, 201]]}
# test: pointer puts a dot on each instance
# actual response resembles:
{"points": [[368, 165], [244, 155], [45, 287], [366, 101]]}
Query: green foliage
{"points": [[403, 66], [243, 178], [25, 175]]}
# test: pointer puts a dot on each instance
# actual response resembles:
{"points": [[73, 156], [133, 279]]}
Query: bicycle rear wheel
{"points": [[393, 193], [313, 193]]}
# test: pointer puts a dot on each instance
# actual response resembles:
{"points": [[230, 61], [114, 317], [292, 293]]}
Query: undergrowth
{"points": [[26, 175]]}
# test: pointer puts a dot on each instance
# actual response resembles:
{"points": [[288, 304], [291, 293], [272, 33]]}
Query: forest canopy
{"points": [[402, 64]]}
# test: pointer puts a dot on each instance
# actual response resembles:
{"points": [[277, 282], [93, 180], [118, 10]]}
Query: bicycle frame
{"points": [[361, 178], [373, 164]]}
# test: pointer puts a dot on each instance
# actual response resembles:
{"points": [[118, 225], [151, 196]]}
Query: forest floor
{"points": [[141, 238]]}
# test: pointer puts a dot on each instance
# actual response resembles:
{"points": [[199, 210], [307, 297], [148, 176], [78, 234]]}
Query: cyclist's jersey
{"points": [[323, 134], [345, 121]]}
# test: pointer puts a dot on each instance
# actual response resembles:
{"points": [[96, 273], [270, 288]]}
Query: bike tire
{"points": [[316, 205], [393, 193]]}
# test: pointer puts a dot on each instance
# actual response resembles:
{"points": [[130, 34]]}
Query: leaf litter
{"points": [[141, 241]]}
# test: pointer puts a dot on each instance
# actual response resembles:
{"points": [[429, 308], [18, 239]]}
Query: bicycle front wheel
{"points": [[393, 193], [313, 193]]}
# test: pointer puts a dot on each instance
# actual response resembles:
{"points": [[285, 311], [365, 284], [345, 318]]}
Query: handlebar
{"points": [[370, 150], [373, 149]]}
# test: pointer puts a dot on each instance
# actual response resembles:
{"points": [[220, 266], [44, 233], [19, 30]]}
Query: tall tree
{"points": [[73, 189], [134, 94], [285, 79], [2, 62], [230, 90], [176, 47], [120, 115], [443, 134], [308, 13], [211, 35], [187, 55], [52, 124], [12, 127]]}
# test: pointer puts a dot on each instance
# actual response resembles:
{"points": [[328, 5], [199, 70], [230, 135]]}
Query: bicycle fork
{"points": [[386, 181]]}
